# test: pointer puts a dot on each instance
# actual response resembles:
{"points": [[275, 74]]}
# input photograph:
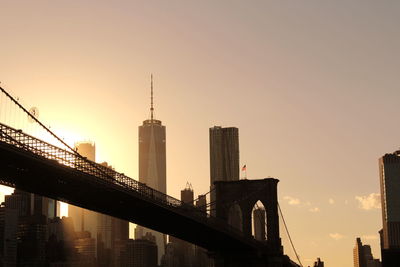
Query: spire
{"points": [[151, 106]]}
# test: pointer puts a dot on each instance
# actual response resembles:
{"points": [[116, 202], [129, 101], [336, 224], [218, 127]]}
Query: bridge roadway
{"points": [[35, 166]]}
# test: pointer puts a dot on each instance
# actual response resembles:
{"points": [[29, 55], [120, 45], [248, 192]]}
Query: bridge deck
{"points": [[32, 165]]}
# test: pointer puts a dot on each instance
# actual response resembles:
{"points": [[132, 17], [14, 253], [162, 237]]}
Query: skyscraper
{"points": [[109, 234], [362, 256], [224, 154], [224, 157], [152, 165], [84, 220], [259, 223], [389, 172]]}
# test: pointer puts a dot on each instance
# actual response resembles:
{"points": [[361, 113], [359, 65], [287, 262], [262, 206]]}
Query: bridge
{"points": [[35, 166]]}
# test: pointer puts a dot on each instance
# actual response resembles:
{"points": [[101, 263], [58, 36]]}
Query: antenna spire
{"points": [[151, 106]]}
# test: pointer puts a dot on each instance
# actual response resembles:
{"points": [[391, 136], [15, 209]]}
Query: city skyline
{"points": [[311, 86]]}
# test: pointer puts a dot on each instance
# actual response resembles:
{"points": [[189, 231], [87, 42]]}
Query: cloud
{"points": [[336, 236], [316, 209], [370, 237], [292, 201], [370, 202], [331, 201]]}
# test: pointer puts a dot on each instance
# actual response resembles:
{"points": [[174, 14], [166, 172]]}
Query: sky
{"points": [[311, 85]]}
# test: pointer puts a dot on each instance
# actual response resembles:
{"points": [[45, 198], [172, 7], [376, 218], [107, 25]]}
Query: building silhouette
{"points": [[389, 172], [83, 219], [109, 234], [182, 251], [362, 255], [152, 166], [224, 154], [318, 263], [259, 223], [224, 159], [142, 252]]}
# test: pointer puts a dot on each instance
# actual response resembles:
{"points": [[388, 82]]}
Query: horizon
{"points": [[312, 88]]}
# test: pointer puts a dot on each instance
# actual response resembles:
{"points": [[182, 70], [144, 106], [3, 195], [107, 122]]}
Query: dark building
{"points": [[389, 172], [362, 256], [2, 231], [141, 253], [183, 251], [152, 165], [83, 219], [31, 240], [25, 229], [224, 154], [201, 203], [318, 263], [224, 158], [201, 258], [259, 223], [110, 234]]}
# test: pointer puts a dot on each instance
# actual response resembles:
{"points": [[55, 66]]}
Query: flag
{"points": [[244, 168]]}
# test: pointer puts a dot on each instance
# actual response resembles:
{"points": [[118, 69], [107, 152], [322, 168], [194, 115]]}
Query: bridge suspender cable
{"points": [[290, 239], [53, 134], [37, 121]]}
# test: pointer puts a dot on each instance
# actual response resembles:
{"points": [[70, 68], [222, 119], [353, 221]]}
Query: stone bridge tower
{"points": [[235, 201]]}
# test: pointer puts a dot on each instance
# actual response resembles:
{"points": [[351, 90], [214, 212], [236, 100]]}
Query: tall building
{"points": [[224, 154], [362, 255], [109, 234], [389, 172], [141, 252], [183, 251], [84, 220], [224, 158], [25, 218], [152, 166], [259, 223]]}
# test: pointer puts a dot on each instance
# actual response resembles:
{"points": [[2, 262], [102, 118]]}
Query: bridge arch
{"points": [[246, 193]]}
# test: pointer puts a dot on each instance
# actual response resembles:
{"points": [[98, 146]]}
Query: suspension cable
{"points": [[287, 232]]}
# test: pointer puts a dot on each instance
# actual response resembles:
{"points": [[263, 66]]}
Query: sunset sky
{"points": [[313, 87]]}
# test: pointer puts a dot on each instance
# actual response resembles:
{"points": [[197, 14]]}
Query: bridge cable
{"points": [[53, 134], [290, 239], [204, 194], [36, 120]]}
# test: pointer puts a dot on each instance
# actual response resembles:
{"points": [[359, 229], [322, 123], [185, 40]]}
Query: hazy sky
{"points": [[313, 87]]}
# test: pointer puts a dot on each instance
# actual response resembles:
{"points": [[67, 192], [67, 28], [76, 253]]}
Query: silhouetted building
{"points": [[110, 234], [362, 256], [183, 251], [259, 223], [2, 231], [18, 204], [224, 157], [201, 258], [152, 165], [319, 263], [31, 240], [389, 172], [84, 220], [60, 249], [141, 253], [201, 203], [224, 154], [85, 247]]}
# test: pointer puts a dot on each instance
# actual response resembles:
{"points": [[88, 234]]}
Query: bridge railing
{"points": [[106, 175]]}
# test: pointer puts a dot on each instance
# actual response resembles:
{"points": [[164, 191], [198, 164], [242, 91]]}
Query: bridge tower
{"points": [[243, 195]]}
